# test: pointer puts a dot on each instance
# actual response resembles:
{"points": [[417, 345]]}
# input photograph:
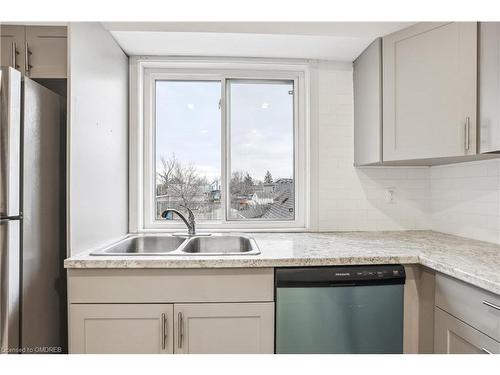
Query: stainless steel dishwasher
{"points": [[340, 309]]}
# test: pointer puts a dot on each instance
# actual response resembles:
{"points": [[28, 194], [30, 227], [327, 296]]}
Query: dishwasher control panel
{"points": [[376, 273], [340, 275]]}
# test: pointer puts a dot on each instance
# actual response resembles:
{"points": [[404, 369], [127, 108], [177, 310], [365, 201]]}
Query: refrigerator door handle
{"points": [[10, 218]]}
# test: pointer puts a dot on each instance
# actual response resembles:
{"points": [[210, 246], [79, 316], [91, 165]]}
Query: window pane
{"points": [[188, 148], [262, 168]]}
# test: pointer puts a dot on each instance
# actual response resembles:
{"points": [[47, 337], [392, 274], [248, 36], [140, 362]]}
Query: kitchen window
{"points": [[187, 148], [228, 144]]}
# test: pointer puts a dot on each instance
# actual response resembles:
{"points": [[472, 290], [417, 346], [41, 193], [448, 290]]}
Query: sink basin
{"points": [[218, 244], [143, 245], [221, 245]]}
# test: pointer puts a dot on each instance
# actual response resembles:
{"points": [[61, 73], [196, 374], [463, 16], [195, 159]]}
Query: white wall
{"points": [[97, 137], [351, 198], [465, 199]]}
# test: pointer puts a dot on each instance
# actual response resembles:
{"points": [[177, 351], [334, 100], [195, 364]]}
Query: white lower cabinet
{"points": [[452, 336], [466, 318], [206, 310], [224, 328], [201, 328], [121, 328]]}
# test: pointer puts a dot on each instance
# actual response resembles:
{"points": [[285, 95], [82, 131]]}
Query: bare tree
{"points": [[242, 183], [165, 175], [181, 182], [236, 185], [187, 184]]}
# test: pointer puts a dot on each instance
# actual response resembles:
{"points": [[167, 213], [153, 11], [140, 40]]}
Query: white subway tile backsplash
{"points": [[465, 199], [418, 174], [493, 169]]}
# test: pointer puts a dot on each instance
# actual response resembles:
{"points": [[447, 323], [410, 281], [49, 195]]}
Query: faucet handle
{"points": [[192, 223]]}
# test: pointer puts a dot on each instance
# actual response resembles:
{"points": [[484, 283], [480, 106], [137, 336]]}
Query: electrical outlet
{"points": [[390, 195]]}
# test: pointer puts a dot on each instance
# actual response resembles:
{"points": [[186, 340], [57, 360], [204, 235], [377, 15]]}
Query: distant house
{"points": [[242, 201], [269, 188], [274, 202], [259, 188], [262, 198], [283, 185], [214, 195]]}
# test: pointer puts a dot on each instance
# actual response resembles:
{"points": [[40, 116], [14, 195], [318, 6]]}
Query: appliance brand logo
{"points": [[342, 274]]}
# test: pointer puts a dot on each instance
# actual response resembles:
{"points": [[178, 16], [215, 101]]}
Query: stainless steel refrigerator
{"points": [[31, 216]]}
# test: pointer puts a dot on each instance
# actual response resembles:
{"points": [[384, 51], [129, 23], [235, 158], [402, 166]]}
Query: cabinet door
{"points": [[429, 91], [12, 46], [452, 336], [489, 87], [367, 75], [224, 328], [48, 47], [121, 328]]}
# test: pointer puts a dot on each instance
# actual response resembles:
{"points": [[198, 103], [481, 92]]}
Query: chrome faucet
{"points": [[190, 222]]}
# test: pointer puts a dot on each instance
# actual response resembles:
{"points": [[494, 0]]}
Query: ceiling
{"points": [[339, 41]]}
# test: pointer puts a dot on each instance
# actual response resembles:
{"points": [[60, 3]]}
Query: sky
{"points": [[261, 117]]}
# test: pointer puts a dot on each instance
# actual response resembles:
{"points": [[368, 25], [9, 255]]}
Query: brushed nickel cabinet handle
{"points": [[13, 55], [180, 329], [492, 305], [486, 351], [467, 133], [27, 54], [164, 332]]}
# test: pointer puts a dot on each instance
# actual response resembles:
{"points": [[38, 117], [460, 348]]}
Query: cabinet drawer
{"points": [[473, 305], [452, 336]]}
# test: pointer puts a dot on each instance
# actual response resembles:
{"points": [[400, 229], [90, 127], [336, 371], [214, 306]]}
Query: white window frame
{"points": [[144, 71]]}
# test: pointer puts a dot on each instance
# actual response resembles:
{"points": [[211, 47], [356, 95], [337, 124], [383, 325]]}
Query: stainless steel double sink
{"points": [[216, 244]]}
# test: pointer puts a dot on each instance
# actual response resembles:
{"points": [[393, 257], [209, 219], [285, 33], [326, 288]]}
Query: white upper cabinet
{"points": [[36, 51], [367, 77], [12, 46], [47, 48], [489, 87], [429, 91]]}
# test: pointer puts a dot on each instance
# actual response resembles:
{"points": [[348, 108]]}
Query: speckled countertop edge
{"points": [[472, 261]]}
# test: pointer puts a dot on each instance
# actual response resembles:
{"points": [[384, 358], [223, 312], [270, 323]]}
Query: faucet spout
{"points": [[190, 222]]}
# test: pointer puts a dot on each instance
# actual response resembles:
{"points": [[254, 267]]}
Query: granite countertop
{"points": [[472, 261]]}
